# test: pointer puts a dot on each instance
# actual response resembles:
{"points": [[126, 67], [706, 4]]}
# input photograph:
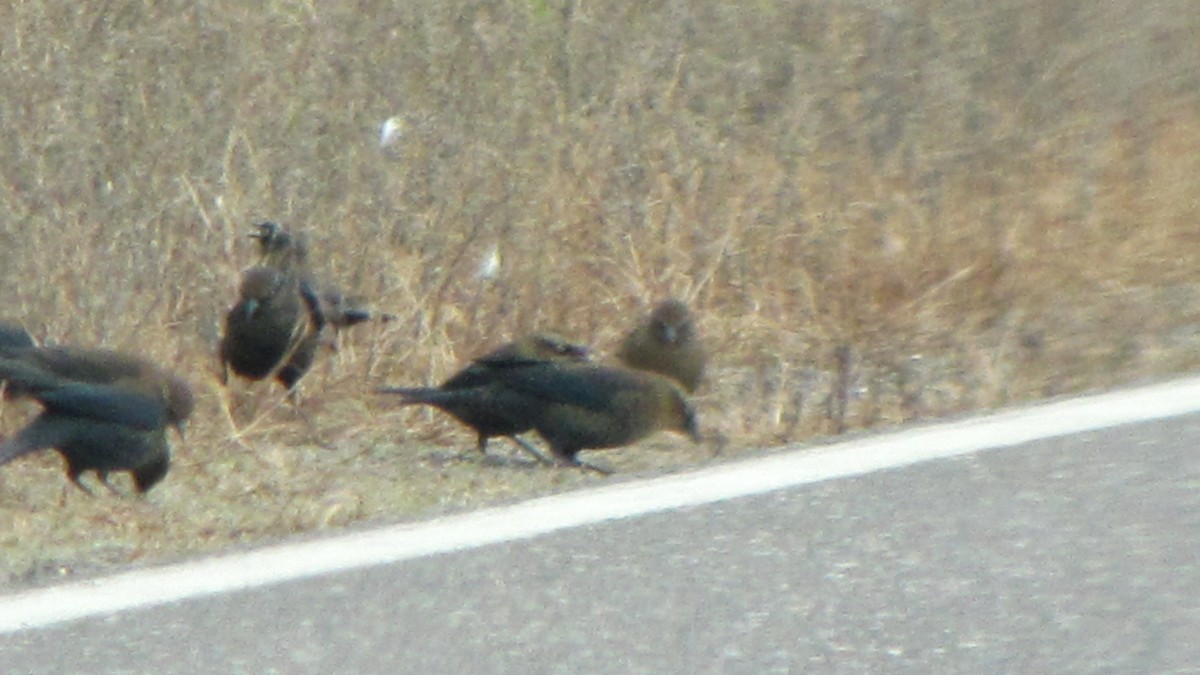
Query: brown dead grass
{"points": [[881, 215]]}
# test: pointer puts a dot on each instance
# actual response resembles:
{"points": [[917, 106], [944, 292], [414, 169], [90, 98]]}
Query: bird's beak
{"points": [[261, 231], [180, 428]]}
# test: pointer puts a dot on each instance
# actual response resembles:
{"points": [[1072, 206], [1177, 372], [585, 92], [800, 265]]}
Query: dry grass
{"points": [[882, 211]]}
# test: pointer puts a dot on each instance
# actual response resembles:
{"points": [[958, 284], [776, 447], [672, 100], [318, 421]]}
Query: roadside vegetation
{"points": [[881, 212]]}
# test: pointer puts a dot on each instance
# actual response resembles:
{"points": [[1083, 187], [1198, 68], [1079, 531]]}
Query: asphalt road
{"points": [[1071, 555]]}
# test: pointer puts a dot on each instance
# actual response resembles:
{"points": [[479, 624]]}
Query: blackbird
{"points": [[581, 406], [469, 394], [273, 329], [119, 426], [95, 366]]}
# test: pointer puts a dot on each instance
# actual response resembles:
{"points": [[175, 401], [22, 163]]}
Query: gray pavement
{"points": [[1071, 555]]}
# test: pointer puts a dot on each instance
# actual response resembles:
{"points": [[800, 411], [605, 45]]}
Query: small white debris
{"points": [[489, 266], [391, 131]]}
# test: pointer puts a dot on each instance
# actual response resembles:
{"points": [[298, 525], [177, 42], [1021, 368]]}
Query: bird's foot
{"points": [[585, 466]]}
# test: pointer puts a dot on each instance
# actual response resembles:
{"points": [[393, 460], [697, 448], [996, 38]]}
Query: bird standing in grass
{"points": [[666, 343], [19, 354], [470, 395], [110, 413], [276, 325], [273, 329], [577, 407]]}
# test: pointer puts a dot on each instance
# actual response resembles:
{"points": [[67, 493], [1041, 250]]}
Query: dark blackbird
{"points": [[471, 397], [666, 342], [273, 329], [580, 406], [288, 251], [97, 366], [97, 427]]}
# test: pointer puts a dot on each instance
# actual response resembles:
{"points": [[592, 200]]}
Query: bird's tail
{"points": [[14, 338], [419, 395], [37, 436], [346, 317]]}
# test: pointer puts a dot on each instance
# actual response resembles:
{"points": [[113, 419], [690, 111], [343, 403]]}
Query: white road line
{"points": [[277, 564]]}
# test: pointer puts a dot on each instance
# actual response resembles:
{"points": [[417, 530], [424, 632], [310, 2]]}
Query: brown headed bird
{"points": [[470, 395], [666, 343], [577, 407], [273, 329], [110, 414]]}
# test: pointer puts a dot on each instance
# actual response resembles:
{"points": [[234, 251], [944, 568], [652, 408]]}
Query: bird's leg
{"points": [[588, 466], [293, 395], [524, 445], [75, 474], [103, 476]]}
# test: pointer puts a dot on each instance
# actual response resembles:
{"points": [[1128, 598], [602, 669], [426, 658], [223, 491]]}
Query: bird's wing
{"points": [[589, 388], [25, 378], [86, 365], [106, 404], [312, 301], [477, 374]]}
